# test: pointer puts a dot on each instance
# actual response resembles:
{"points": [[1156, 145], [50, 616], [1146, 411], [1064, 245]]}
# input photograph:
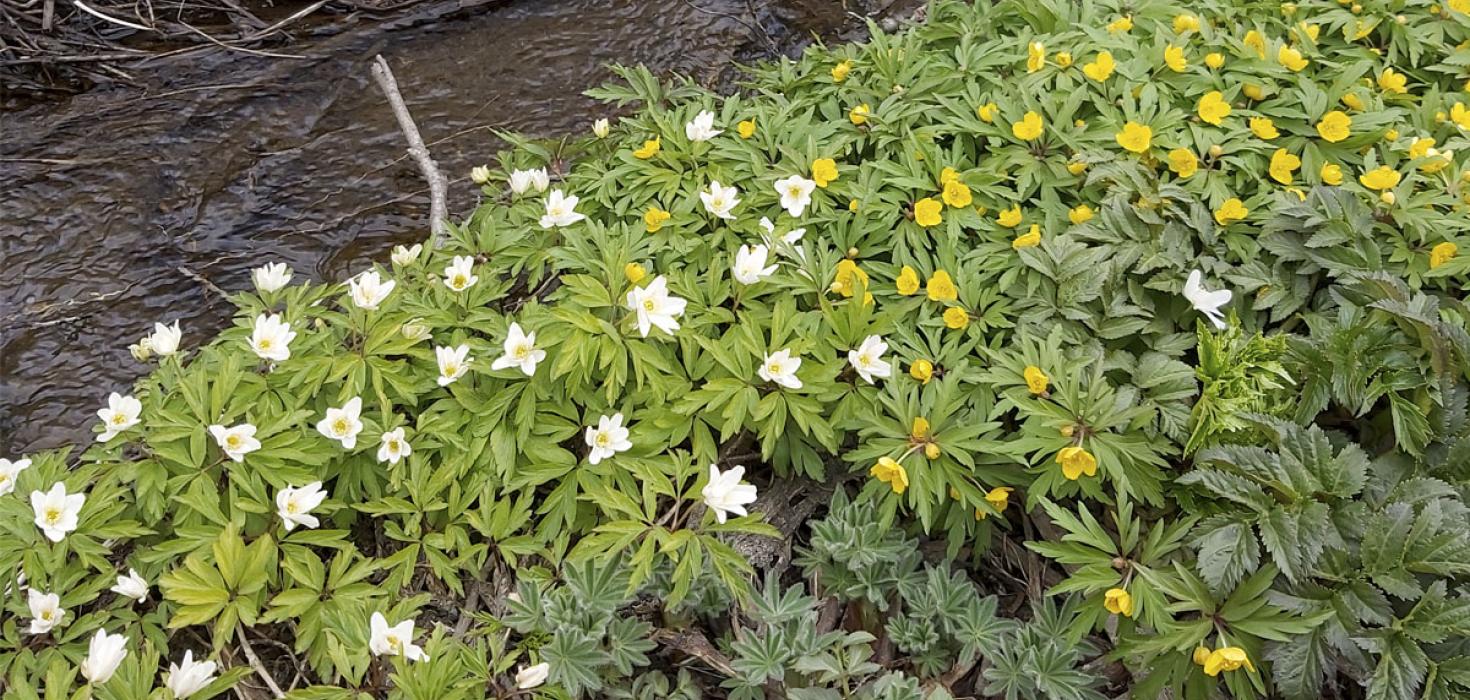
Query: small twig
{"points": [[438, 211], [202, 280], [109, 18], [255, 662], [294, 16]]}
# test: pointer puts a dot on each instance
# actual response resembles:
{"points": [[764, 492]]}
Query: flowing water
{"points": [[119, 207]]}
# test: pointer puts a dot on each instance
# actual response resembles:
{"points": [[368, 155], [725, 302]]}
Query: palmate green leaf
{"points": [[575, 659], [1227, 552], [1402, 667]]}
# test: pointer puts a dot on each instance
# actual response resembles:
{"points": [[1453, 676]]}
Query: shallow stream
{"points": [[121, 206]]}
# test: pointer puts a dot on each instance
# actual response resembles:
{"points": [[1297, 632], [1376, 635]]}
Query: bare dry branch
{"points": [[438, 211]]}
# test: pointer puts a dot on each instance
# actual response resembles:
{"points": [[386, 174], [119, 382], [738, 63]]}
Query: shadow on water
{"points": [[118, 205]]}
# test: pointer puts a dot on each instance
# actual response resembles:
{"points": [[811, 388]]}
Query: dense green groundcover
{"points": [[1014, 448]]}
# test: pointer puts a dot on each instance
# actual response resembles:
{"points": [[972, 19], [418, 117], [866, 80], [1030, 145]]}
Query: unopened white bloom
{"points": [[236, 441], [796, 193], [479, 174], [46, 611], [142, 350], [395, 640], [394, 447], [1206, 301], [453, 363], [868, 360], [403, 256], [720, 200], [104, 654], [520, 351], [459, 275], [654, 306], [56, 511], [343, 424], [780, 367], [725, 495], [189, 676], [271, 338], [702, 128], [122, 412], [131, 586], [601, 128], [607, 438], [415, 329], [533, 676], [369, 290], [271, 277], [786, 244], [10, 472], [165, 339], [750, 264], [295, 505], [560, 210], [523, 181]]}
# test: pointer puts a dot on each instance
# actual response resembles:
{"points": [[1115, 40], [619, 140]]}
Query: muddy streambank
{"points": [[123, 206]]}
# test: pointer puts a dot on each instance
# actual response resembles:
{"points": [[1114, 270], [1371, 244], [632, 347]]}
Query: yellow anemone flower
{"points": [[649, 149], [1029, 128], [1076, 462], [941, 287], [1118, 602], [1283, 166], [892, 473], [1101, 67], [1212, 107], [1135, 137], [1231, 210], [1030, 239], [927, 212], [1036, 380], [1335, 126], [654, 219], [908, 281]]}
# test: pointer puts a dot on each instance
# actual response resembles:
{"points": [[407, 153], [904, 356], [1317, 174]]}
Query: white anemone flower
{"points": [[131, 586], [236, 441], [10, 472], [104, 654], [403, 256], [271, 338], [1206, 301], [394, 446], [394, 640], [796, 193], [560, 210], [523, 181], [165, 339], [750, 264], [294, 505], [520, 352], [780, 367], [720, 200], [654, 306], [532, 676], [607, 438], [725, 495], [459, 274], [868, 360], [189, 676], [453, 363], [122, 412], [46, 611], [369, 290], [702, 128], [343, 424], [271, 277], [56, 511]]}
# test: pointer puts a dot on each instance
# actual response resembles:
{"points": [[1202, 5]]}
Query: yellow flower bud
{"points": [[634, 272], [922, 370]]}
